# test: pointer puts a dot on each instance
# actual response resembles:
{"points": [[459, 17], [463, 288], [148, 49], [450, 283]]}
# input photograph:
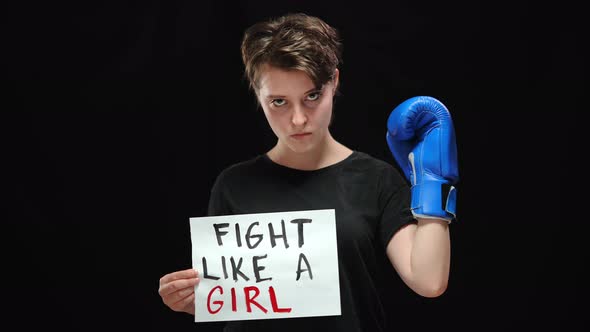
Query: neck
{"points": [[327, 153]]}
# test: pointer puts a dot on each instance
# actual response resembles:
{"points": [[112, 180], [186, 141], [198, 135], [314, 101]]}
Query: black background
{"points": [[120, 114]]}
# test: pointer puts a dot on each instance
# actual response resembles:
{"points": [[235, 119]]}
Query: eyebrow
{"points": [[280, 96]]}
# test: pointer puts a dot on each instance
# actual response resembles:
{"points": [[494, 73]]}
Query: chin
{"points": [[301, 148]]}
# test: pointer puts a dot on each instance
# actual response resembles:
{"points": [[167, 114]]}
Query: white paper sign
{"points": [[266, 265]]}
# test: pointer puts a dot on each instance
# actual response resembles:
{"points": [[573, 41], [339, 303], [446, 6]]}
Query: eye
{"points": [[314, 96], [278, 102]]}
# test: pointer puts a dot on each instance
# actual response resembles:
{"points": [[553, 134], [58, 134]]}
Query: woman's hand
{"points": [[177, 290]]}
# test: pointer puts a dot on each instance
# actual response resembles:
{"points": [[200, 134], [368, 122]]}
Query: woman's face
{"points": [[297, 111]]}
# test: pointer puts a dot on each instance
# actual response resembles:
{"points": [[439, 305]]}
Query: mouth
{"points": [[300, 135]]}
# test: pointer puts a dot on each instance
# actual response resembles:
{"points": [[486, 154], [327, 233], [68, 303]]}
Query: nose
{"points": [[299, 117]]}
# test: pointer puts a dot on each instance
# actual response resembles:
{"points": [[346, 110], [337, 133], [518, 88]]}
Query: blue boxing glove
{"points": [[421, 137]]}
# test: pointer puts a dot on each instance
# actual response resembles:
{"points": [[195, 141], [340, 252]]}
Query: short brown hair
{"points": [[293, 42]]}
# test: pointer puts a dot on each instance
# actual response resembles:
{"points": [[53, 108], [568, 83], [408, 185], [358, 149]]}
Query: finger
{"points": [[174, 286], [185, 305], [184, 274], [179, 295]]}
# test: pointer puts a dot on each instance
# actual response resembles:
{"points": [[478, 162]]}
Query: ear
{"points": [[336, 78]]}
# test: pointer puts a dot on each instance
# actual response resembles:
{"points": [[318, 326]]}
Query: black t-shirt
{"points": [[371, 202]]}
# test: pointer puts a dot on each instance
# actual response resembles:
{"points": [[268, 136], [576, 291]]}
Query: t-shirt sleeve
{"points": [[395, 201], [218, 204]]}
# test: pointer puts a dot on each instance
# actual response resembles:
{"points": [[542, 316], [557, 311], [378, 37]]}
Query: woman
{"points": [[291, 63]]}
